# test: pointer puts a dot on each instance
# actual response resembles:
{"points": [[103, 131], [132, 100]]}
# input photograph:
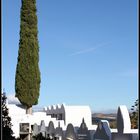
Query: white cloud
{"points": [[12, 99]]}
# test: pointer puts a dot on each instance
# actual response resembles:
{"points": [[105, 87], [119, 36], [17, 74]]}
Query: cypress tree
{"points": [[27, 79]]}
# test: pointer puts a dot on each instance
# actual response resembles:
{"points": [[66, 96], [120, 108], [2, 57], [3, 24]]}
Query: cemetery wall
{"points": [[50, 125]]}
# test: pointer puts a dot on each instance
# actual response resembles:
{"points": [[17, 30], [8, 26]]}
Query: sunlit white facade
{"points": [[58, 114]]}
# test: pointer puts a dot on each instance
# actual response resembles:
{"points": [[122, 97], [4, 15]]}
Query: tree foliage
{"points": [[27, 79], [6, 120], [134, 115], [113, 124]]}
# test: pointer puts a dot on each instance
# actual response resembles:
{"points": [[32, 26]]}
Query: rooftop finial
{"points": [[83, 121]]}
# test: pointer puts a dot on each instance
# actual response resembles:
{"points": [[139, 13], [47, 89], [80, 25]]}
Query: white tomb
{"points": [[62, 114]]}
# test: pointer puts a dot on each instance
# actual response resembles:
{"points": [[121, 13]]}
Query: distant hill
{"points": [[96, 117], [102, 115]]}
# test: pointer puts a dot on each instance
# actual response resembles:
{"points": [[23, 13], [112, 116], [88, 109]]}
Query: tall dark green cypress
{"points": [[27, 80]]}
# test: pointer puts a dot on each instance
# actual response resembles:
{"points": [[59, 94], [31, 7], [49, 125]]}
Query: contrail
{"points": [[89, 49]]}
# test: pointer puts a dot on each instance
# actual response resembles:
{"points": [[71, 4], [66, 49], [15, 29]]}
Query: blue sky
{"points": [[88, 51]]}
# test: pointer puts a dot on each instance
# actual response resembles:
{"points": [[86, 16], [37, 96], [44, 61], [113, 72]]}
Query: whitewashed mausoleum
{"points": [[58, 114], [66, 122]]}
